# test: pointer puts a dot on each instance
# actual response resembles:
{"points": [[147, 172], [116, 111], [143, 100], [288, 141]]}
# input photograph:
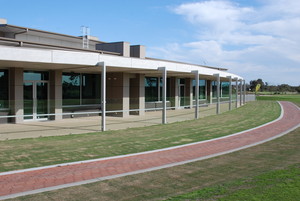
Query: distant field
{"points": [[293, 98]]}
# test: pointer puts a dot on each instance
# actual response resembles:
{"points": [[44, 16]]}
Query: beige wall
{"points": [[16, 93], [137, 94], [56, 94]]}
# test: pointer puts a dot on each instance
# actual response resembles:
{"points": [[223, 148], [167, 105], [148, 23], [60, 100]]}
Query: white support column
{"points": [[230, 92], [211, 92], [221, 90], [103, 95], [241, 92], [244, 94], [236, 92], [191, 94], [164, 94], [218, 93], [196, 93]]}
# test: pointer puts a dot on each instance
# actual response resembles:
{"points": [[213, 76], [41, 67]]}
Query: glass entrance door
{"points": [[35, 100]]}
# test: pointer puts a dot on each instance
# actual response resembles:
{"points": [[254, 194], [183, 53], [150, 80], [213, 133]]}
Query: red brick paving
{"points": [[37, 179]]}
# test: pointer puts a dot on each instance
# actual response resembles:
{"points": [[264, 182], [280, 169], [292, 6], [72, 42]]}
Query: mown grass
{"points": [[26, 153], [292, 98], [268, 171], [281, 184]]}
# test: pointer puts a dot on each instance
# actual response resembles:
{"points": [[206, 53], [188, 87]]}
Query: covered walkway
{"points": [[93, 124]]}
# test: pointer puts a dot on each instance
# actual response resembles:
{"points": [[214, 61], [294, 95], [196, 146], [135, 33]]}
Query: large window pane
{"points": [[225, 89], [214, 89], [71, 88], [91, 89], [3, 89], [202, 89], [33, 75], [151, 89]]}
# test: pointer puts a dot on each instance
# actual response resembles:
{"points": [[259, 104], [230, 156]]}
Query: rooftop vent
{"points": [[3, 21]]}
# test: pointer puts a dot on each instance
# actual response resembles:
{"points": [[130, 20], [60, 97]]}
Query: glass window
{"points": [[3, 89], [81, 89], [71, 88], [214, 89], [202, 89], [151, 89], [33, 75], [225, 89], [91, 89]]}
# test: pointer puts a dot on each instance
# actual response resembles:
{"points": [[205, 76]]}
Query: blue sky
{"points": [[254, 38]]}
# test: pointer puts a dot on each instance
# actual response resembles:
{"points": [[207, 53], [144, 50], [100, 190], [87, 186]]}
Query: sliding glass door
{"points": [[36, 100]]}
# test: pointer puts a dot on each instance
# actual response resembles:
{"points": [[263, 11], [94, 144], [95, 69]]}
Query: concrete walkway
{"points": [[17, 183], [93, 124]]}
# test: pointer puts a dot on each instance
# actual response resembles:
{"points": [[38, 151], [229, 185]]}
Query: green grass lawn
{"points": [[269, 171], [26, 153], [283, 184], [292, 98]]}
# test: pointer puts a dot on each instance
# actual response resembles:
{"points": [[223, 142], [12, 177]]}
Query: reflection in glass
{"points": [[202, 89], [41, 99], [35, 75], [3, 89], [71, 88], [81, 89], [28, 100]]}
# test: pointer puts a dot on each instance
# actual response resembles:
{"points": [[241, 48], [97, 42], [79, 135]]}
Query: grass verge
{"points": [[292, 98], [283, 184], [26, 153], [269, 165]]}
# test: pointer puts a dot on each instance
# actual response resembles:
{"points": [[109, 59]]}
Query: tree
{"points": [[253, 84]]}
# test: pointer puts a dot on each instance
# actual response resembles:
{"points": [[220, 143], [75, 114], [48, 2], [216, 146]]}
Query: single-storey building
{"points": [[50, 76]]}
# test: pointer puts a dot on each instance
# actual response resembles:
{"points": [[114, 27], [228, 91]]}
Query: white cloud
{"points": [[250, 41]]}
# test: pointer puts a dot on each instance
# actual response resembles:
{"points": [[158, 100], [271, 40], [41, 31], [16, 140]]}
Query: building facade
{"points": [[51, 76]]}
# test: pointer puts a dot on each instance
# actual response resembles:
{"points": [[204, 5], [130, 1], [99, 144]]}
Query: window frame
{"points": [[8, 90], [81, 75]]}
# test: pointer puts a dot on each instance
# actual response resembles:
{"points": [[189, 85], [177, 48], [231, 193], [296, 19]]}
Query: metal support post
{"points": [[236, 92], [218, 93], [241, 92], [244, 94], [196, 93], [164, 94], [230, 92], [103, 95]]}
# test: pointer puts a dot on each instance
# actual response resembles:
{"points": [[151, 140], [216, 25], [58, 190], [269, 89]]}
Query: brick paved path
{"points": [[13, 183]]}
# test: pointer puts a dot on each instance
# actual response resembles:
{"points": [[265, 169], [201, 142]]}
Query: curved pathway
{"points": [[35, 180]]}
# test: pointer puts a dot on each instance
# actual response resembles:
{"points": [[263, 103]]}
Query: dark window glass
{"points": [[91, 89], [225, 89], [71, 88], [33, 75], [214, 89], [81, 89], [3, 89], [202, 89], [151, 89]]}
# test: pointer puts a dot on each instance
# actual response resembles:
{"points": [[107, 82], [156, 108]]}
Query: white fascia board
{"points": [[115, 61], [91, 59], [76, 58], [25, 54]]}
